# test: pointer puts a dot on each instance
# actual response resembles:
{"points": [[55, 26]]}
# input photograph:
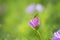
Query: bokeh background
{"points": [[14, 20]]}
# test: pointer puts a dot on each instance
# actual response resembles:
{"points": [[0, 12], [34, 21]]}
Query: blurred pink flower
{"points": [[39, 7], [56, 35], [55, 38], [31, 8]]}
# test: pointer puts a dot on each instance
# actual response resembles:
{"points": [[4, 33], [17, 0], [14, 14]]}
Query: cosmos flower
{"points": [[35, 22], [56, 35], [32, 8]]}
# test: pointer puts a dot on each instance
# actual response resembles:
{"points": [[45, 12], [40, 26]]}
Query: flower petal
{"points": [[34, 23], [55, 38], [57, 34]]}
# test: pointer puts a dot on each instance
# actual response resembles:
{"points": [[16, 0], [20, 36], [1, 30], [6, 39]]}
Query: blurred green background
{"points": [[14, 20]]}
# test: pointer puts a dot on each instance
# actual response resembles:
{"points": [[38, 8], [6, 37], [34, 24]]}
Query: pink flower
{"points": [[35, 22], [56, 35], [39, 7], [30, 8]]}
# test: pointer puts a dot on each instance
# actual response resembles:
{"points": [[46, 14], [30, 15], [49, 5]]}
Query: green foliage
{"points": [[14, 22]]}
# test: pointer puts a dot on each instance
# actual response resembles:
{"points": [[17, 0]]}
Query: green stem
{"points": [[38, 33]]}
